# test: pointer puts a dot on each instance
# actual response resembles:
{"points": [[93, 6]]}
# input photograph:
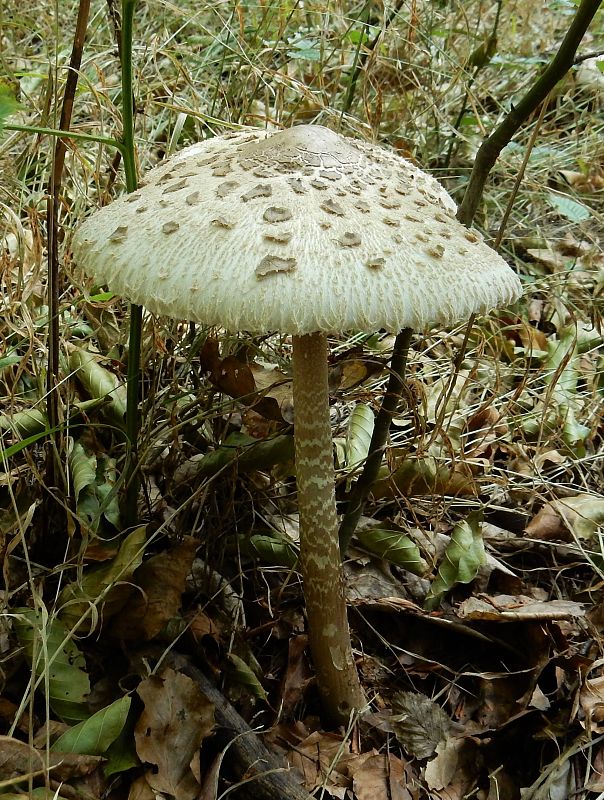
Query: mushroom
{"points": [[304, 232]]}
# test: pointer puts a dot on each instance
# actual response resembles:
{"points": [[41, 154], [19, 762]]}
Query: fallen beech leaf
{"points": [[419, 723], [161, 582], [176, 719], [452, 773], [297, 676], [383, 776], [547, 524], [322, 759], [140, 790], [549, 258]]}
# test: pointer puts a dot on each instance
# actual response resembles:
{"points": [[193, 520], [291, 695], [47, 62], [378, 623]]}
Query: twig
{"points": [[492, 146], [136, 311], [379, 437], [54, 277]]}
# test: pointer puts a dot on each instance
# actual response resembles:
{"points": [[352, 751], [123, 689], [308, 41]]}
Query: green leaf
{"points": [[358, 438], [9, 104], [99, 383], [394, 546], [244, 677], [109, 582], [94, 478], [304, 50], [93, 736], [121, 754], [83, 469], [8, 361], [464, 555], [39, 793], [101, 297], [570, 209], [29, 422], [50, 651], [357, 37], [272, 551]]}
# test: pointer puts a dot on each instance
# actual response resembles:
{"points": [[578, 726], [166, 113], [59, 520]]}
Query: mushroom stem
{"points": [[328, 632]]}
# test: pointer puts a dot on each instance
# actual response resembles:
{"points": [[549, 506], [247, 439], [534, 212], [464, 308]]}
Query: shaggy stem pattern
{"points": [[328, 632]]}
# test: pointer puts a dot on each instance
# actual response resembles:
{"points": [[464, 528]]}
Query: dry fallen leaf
{"points": [[379, 776], [176, 719], [580, 516], [322, 760], [504, 607], [591, 699], [451, 774], [140, 790], [297, 676], [419, 723], [19, 758], [161, 582]]}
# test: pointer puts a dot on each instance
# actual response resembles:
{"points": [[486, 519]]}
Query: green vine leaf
{"points": [[358, 438], [50, 651], [393, 546], [464, 555]]}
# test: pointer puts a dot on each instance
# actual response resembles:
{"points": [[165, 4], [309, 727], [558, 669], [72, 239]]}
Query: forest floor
{"points": [[483, 666]]}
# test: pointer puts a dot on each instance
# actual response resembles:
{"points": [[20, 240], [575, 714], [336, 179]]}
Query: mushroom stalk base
{"points": [[328, 632]]}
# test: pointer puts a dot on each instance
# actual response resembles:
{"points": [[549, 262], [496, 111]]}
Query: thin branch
{"points": [[492, 146], [54, 277], [379, 438]]}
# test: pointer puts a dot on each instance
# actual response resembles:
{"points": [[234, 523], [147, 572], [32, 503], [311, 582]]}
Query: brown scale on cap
{"points": [[350, 239], [176, 187], [332, 208], [226, 188], [277, 214], [261, 190]]}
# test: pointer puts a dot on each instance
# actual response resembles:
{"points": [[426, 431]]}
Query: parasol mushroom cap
{"points": [[298, 231]]}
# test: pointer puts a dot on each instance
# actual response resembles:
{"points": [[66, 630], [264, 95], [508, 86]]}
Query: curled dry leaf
{"points": [[383, 776], [591, 699], [505, 608], [297, 676], [579, 516], [176, 719], [322, 759], [161, 581], [452, 773]]}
